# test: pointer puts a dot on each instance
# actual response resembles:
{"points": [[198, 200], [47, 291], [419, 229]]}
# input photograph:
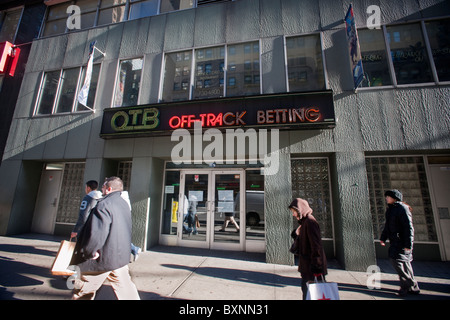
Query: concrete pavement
{"points": [[166, 273]]}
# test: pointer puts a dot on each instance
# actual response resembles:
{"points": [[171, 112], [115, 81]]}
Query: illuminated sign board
{"points": [[291, 111]]}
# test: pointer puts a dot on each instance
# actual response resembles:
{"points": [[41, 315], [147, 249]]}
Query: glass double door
{"points": [[210, 212]]}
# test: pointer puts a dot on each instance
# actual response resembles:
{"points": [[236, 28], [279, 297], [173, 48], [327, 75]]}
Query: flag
{"points": [[83, 95], [354, 49]]}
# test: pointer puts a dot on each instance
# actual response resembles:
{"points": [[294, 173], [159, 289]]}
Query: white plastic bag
{"points": [[322, 291]]}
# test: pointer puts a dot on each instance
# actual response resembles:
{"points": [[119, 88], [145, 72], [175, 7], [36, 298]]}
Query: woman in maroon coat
{"points": [[307, 244]]}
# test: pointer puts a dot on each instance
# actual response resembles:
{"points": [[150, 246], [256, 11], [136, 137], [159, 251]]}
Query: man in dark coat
{"points": [[103, 248], [312, 261], [400, 232]]}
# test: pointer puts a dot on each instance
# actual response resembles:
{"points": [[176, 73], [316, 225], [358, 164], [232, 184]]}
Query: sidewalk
{"points": [[166, 273]]}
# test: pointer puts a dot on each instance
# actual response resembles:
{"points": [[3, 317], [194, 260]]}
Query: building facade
{"points": [[217, 113]]}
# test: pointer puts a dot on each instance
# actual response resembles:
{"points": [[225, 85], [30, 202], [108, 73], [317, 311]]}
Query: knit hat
{"points": [[302, 206], [394, 193]]}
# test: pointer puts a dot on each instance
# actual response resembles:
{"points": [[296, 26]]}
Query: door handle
{"points": [[54, 202]]}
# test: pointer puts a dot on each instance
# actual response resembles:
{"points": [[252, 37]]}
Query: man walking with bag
{"points": [[103, 248]]}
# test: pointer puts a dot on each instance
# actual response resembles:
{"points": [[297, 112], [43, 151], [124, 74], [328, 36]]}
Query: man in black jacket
{"points": [[400, 232], [103, 248]]}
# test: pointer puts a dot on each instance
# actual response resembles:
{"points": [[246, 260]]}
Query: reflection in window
{"points": [[374, 58], [171, 203], [111, 11], [128, 83], [172, 5], [68, 88], [48, 92], [305, 66], [209, 66], [177, 76], [439, 35], [409, 54], [243, 69], [143, 9], [9, 25], [254, 205]]}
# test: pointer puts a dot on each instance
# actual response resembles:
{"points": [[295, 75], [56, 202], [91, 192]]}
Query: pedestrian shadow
{"points": [[388, 293], [106, 292], [254, 277], [14, 248]]}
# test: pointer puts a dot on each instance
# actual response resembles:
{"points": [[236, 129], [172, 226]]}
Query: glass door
{"points": [[194, 209], [228, 221], [210, 211]]}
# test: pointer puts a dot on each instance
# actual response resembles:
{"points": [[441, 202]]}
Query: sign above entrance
{"points": [[292, 111]]}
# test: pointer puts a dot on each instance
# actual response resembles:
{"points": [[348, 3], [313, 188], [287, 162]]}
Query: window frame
{"points": [[435, 78], [119, 61], [194, 70], [324, 65], [74, 108]]}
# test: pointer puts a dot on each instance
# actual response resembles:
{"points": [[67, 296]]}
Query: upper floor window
{"points": [[418, 53], [304, 63], [128, 83], [9, 21], [102, 12], [409, 54], [211, 78], [60, 88]]}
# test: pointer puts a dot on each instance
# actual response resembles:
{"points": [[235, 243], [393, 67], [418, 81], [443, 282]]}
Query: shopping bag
{"points": [[322, 291], [62, 260]]}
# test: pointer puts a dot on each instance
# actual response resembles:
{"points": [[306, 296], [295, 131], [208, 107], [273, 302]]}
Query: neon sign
{"points": [[284, 111]]}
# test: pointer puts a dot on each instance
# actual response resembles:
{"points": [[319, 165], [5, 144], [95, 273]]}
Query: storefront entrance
{"points": [[213, 209]]}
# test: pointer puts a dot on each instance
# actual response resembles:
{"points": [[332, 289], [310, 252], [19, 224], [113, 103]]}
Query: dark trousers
{"points": [[405, 273]]}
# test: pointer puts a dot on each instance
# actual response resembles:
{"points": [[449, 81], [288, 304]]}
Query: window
{"points": [[111, 11], [9, 24], [172, 5], [409, 54], [310, 181], [48, 92], [438, 34], [243, 69], [374, 58], [68, 88], [128, 83], [408, 175], [242, 75], [140, 9], [56, 20], [305, 63], [209, 75], [59, 90]]}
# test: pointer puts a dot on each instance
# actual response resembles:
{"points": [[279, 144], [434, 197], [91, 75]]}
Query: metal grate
{"points": [[124, 173], [72, 191], [408, 175], [310, 181]]}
